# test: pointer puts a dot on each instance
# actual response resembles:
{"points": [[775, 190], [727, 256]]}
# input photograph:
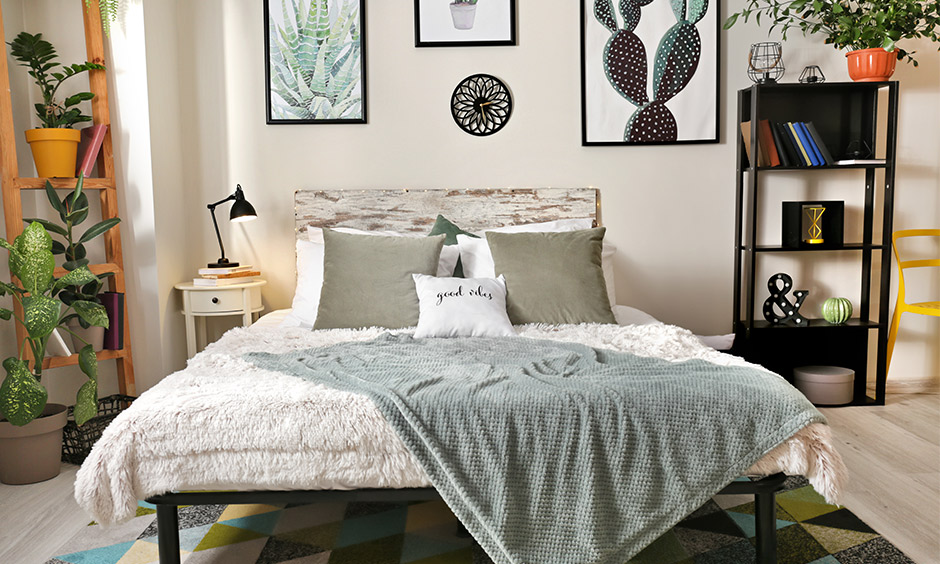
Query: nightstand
{"points": [[217, 301]]}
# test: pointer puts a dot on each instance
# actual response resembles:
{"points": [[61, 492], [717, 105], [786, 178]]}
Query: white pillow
{"points": [[310, 272], [477, 260], [462, 307]]}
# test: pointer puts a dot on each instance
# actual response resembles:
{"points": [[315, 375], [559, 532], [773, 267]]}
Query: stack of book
{"points": [[791, 144], [226, 276]]}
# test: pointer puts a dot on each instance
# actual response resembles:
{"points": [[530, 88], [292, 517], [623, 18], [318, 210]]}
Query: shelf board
{"points": [[97, 269], [825, 167], [62, 183], [58, 361], [853, 323], [781, 249]]}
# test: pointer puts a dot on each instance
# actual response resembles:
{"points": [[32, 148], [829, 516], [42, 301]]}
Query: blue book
{"points": [[806, 142], [823, 150], [813, 144]]}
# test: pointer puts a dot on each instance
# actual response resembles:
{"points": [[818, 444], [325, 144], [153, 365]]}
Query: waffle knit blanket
{"points": [[554, 452]]}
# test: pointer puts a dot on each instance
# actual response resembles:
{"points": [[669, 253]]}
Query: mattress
{"points": [[223, 423]]}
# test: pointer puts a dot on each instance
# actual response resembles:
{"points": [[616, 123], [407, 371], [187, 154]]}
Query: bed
{"points": [[227, 422]]}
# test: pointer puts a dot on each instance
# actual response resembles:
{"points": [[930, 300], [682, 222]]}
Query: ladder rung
{"points": [[63, 183], [59, 272], [57, 361]]}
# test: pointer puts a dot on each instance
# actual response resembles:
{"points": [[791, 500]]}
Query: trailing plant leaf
{"points": [[40, 315], [86, 401], [88, 362], [91, 313], [78, 277], [32, 262], [22, 397], [5, 314]]}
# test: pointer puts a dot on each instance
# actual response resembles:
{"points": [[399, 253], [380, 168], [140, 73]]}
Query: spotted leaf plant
{"points": [[626, 64], [315, 58], [35, 288]]}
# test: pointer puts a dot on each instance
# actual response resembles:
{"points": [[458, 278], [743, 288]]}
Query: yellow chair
{"points": [[923, 308]]}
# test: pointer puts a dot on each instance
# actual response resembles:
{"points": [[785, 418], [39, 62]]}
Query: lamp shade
{"points": [[242, 211]]}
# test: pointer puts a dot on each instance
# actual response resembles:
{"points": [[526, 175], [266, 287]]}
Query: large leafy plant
{"points": [[32, 265], [853, 24], [39, 56], [315, 64], [73, 211]]}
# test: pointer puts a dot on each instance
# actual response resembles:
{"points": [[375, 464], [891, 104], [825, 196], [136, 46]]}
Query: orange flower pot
{"points": [[871, 65], [54, 151]]}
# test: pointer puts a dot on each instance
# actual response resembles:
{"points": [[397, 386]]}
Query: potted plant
{"points": [[31, 432], [73, 211], [463, 13], [869, 29], [55, 144]]}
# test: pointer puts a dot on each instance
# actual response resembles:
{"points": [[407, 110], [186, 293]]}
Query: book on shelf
{"points": [[790, 145], [861, 162], [766, 141], [824, 151], [811, 147], [784, 148], [114, 335], [799, 144], [89, 147], [225, 269], [222, 281], [746, 139], [242, 274]]}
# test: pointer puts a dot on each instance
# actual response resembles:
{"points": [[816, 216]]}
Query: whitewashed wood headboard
{"points": [[405, 210]]}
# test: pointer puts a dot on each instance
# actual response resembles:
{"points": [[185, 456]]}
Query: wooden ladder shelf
{"points": [[106, 186]]}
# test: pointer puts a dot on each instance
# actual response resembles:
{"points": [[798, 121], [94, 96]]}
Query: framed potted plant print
{"points": [[649, 76], [315, 61], [464, 23]]}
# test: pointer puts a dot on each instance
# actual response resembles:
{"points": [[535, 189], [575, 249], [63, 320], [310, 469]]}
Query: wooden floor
{"points": [[893, 454]]}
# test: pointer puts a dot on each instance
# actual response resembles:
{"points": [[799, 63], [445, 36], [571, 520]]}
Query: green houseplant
{"points": [[863, 27], [55, 144]]}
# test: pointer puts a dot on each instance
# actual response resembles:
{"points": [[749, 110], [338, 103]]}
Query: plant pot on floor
{"points": [[32, 453], [94, 336], [871, 65], [54, 151], [463, 15]]}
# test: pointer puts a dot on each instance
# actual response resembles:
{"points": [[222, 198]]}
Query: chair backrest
{"points": [[917, 263]]}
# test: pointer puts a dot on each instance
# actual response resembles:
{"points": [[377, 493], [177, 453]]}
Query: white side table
{"points": [[217, 301]]}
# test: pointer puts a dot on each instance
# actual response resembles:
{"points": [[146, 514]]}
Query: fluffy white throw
{"points": [[223, 423]]}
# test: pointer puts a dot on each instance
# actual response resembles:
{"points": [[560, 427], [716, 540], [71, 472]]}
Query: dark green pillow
{"points": [[446, 227], [367, 279], [553, 277]]}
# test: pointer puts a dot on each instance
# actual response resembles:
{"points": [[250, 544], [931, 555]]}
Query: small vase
{"points": [[463, 15], [94, 336], [871, 65], [32, 453], [54, 151]]}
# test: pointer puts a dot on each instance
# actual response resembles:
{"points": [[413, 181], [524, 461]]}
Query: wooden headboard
{"points": [[407, 209]]}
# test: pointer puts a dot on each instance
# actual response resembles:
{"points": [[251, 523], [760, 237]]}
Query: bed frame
{"points": [[404, 210]]}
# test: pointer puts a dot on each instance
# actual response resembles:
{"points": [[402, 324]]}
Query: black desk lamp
{"points": [[241, 211]]}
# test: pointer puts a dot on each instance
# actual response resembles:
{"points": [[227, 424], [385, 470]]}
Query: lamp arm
{"points": [[222, 201], [217, 234]]}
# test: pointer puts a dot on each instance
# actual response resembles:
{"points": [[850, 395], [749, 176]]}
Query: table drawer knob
{"points": [[215, 300]]}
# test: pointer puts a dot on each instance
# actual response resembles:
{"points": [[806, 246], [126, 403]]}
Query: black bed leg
{"points": [[765, 512], [168, 534]]}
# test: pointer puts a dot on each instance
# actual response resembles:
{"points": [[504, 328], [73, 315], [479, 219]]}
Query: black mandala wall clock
{"points": [[481, 104]]}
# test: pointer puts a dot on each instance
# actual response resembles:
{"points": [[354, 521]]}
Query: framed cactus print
{"points": [[464, 23], [315, 61], [649, 72]]}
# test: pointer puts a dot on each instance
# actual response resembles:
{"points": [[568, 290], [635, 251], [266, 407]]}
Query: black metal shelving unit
{"points": [[842, 113]]}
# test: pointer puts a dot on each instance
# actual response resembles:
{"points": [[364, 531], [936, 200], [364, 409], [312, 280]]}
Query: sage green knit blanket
{"points": [[553, 452]]}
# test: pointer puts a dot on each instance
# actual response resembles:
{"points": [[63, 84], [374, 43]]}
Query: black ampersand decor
{"points": [[791, 312]]}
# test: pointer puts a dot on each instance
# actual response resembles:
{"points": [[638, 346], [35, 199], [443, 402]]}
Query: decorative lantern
{"points": [[812, 75], [765, 62], [811, 232]]}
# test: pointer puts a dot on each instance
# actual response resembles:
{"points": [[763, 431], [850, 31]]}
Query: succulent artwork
{"points": [[315, 60], [626, 64]]}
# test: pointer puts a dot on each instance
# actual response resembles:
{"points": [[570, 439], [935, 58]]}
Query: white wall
{"points": [[669, 209]]}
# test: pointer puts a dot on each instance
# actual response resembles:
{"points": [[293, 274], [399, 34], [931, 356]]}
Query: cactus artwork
{"points": [[627, 60]]}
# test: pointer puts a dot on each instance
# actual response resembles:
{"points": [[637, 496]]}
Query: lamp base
{"points": [[222, 263]]}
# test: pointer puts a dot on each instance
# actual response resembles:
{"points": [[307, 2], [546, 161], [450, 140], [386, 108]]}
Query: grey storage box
{"points": [[825, 385]]}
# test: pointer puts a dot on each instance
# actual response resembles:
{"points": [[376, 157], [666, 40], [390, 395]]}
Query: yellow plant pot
{"points": [[54, 151]]}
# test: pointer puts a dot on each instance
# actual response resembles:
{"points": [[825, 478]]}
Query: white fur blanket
{"points": [[223, 423]]}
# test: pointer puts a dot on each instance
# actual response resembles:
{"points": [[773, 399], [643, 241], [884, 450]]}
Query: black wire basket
{"points": [[77, 441]]}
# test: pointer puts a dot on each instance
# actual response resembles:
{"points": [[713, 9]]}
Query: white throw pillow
{"points": [[477, 260], [462, 307], [310, 272]]}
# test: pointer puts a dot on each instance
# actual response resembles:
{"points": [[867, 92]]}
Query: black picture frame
{"points": [[278, 109], [441, 37], [592, 94]]}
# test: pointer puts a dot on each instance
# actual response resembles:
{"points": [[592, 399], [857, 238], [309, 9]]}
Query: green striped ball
{"points": [[837, 310]]}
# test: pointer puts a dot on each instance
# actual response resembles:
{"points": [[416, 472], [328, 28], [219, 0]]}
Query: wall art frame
{"points": [[315, 61], [465, 23], [651, 76]]}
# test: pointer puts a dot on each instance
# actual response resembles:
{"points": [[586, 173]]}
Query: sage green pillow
{"points": [[444, 226], [367, 279], [553, 277]]}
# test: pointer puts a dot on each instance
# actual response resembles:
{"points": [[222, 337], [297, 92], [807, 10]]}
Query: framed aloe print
{"points": [[649, 72], [315, 61]]}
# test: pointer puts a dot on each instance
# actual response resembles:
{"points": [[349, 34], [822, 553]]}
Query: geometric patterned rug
{"points": [[809, 531]]}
